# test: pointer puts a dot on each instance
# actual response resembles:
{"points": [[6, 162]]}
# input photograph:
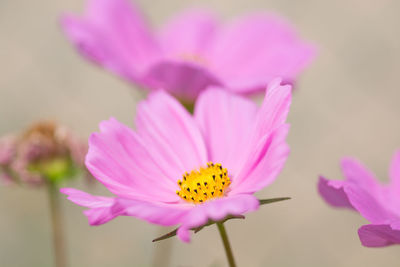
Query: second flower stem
{"points": [[227, 246], [56, 221]]}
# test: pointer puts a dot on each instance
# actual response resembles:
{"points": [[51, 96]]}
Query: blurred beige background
{"points": [[346, 104]]}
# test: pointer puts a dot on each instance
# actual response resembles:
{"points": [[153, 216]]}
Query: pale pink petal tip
{"points": [[99, 211], [83, 36]]}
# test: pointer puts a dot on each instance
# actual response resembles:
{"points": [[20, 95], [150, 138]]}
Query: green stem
{"points": [[227, 246], [57, 225]]}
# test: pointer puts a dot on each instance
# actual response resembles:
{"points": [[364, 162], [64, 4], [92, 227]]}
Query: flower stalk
{"points": [[57, 226], [227, 246]]}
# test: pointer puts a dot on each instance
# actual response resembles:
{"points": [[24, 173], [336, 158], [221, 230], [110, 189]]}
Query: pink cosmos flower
{"points": [[192, 51], [179, 169], [378, 203]]}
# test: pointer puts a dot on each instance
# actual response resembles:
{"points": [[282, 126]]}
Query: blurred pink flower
{"points": [[182, 169], [378, 203], [192, 51]]}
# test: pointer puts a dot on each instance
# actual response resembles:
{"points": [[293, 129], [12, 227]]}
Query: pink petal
{"points": [[104, 209], [373, 235], [216, 210], [189, 34], [274, 109], [120, 159], [268, 148], [170, 134], [368, 204], [227, 122], [99, 211], [333, 193], [253, 50], [264, 164], [113, 34], [355, 172], [86, 200], [184, 80], [154, 212], [83, 35], [364, 192]]}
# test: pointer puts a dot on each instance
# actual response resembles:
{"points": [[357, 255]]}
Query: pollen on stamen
{"points": [[201, 185]]}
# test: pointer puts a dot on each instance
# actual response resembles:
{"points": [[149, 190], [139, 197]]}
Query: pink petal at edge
{"points": [[357, 173], [368, 204], [99, 211], [333, 193], [164, 214], [104, 209], [372, 235], [86, 200], [364, 191]]}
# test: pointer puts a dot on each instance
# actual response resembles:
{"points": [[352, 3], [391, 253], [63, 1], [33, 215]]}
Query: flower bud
{"points": [[45, 152]]}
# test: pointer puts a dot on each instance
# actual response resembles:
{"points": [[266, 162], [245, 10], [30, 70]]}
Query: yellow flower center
{"points": [[199, 186]]}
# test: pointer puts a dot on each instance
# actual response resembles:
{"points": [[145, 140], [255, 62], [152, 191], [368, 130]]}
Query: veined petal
{"points": [[165, 214], [268, 148], [170, 135], [368, 203], [355, 172], [251, 51], [113, 34], [188, 35], [99, 211], [264, 163], [383, 235], [216, 210], [104, 209], [120, 159], [227, 122], [274, 109], [333, 193], [86, 200], [364, 192]]}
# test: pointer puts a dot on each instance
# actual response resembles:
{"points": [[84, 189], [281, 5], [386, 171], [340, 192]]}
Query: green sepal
{"points": [[197, 229], [272, 200], [210, 222]]}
